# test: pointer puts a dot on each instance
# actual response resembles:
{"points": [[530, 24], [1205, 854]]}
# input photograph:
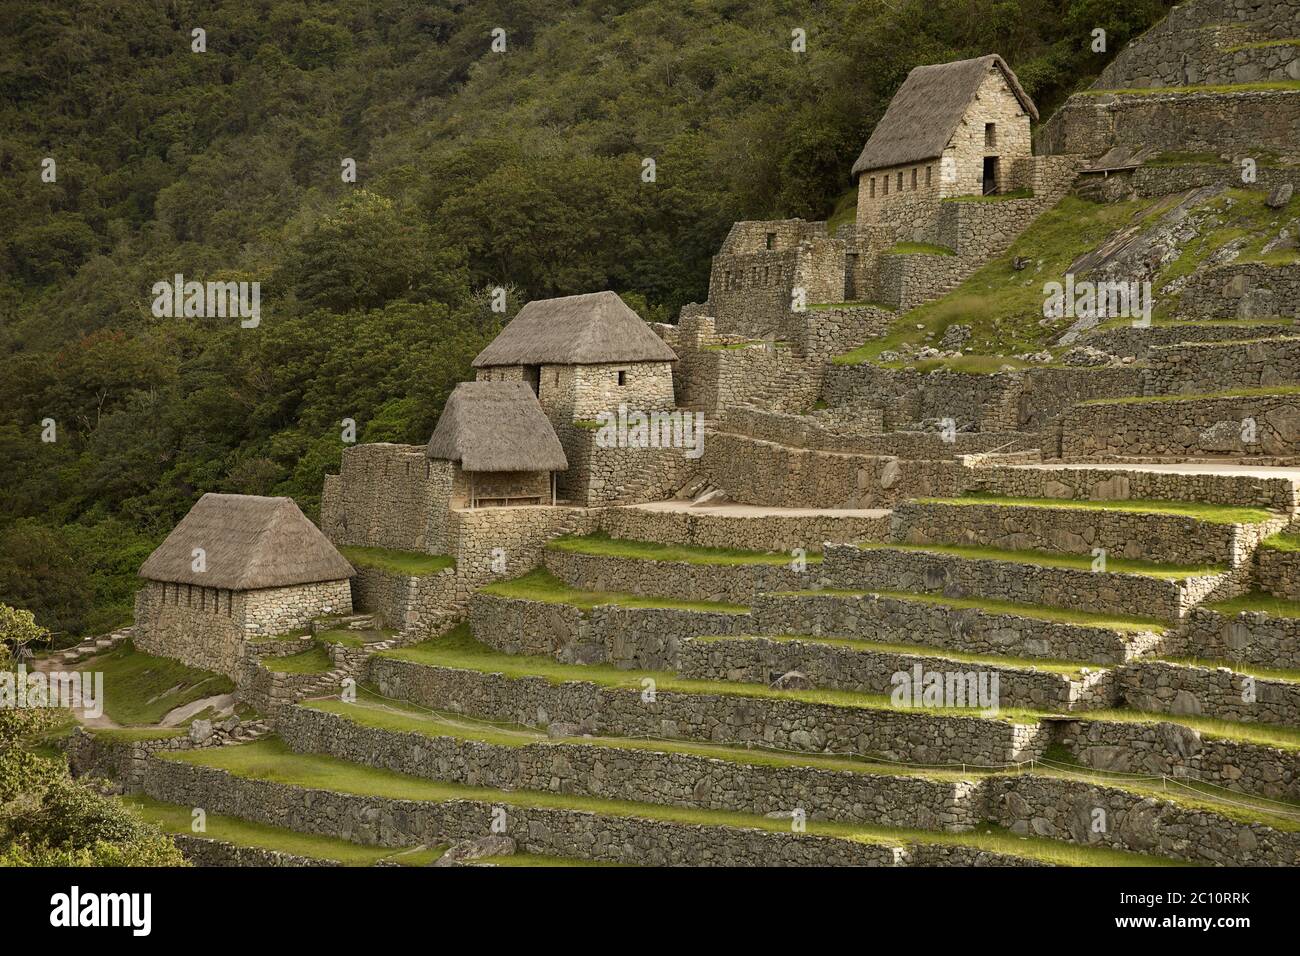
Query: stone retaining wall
{"points": [[414, 605], [1185, 428], [639, 638], [1248, 290], [777, 722], [205, 851], [748, 532], [641, 774], [123, 761], [1178, 751], [820, 433], [1106, 592], [679, 580], [759, 660], [1200, 367], [1141, 342], [1123, 534], [1279, 573], [1248, 638], [888, 620], [1210, 692], [566, 833]]}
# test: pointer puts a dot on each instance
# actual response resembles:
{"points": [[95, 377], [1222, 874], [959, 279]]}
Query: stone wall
{"points": [[1174, 539], [822, 333], [641, 774], [387, 496], [628, 637], [1164, 179], [819, 431], [1239, 123], [890, 620], [1279, 573], [204, 851], [491, 488], [1248, 638], [859, 667], [741, 529], [521, 533], [410, 604], [270, 611], [1247, 290], [1215, 692], [882, 568], [604, 476], [680, 580], [780, 723], [124, 761], [1175, 750], [1184, 428], [552, 832]]}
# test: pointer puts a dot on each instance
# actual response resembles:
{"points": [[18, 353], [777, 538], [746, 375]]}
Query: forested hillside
{"points": [[475, 169]]}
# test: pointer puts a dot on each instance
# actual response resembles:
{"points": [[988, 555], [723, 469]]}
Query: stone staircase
{"points": [[92, 646]]}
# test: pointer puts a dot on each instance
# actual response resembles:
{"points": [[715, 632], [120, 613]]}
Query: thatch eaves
{"points": [[496, 426]]}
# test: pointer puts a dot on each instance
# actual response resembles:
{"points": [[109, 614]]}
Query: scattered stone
{"points": [[954, 337], [477, 849], [1279, 195], [793, 680], [200, 731]]}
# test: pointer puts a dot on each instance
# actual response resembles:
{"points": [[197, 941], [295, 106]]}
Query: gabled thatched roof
{"points": [[249, 542], [927, 109], [496, 426], [586, 329]]}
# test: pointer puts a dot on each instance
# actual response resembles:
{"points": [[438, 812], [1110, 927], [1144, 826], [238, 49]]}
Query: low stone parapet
{"points": [[205, 851], [1218, 692], [743, 529], [779, 722], [859, 667], [1175, 750], [1279, 573], [890, 620], [641, 774]]}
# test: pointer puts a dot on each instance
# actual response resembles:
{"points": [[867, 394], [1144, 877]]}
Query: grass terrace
{"points": [[413, 563], [541, 585], [1257, 602], [142, 689], [1039, 612], [1044, 559], [1024, 193], [1226, 393], [458, 650], [271, 761], [315, 660], [602, 545], [174, 819], [1267, 735], [1266, 673], [1210, 514], [1284, 541], [918, 249], [350, 638]]}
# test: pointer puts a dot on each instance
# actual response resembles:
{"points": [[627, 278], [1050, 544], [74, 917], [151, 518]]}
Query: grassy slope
{"points": [[602, 545], [141, 689], [401, 562], [1258, 603], [270, 760], [316, 660], [540, 585]]}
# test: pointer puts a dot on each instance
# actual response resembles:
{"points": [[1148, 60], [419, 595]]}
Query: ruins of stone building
{"points": [[236, 567], [500, 444], [582, 355]]}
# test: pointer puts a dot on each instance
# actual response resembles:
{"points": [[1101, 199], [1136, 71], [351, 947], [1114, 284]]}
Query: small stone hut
{"points": [[503, 448], [582, 355], [236, 566], [952, 129]]}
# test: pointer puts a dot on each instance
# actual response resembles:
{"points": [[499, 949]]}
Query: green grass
{"points": [[349, 638], [371, 710], [1205, 396], [1039, 612], [315, 660], [1257, 602], [142, 689], [918, 249], [1283, 541], [270, 760], [1261, 44], [1266, 673], [1268, 735], [602, 545], [1044, 559], [845, 211], [1025, 193], [171, 818], [413, 563], [541, 585], [1004, 306], [1235, 215], [128, 735], [1210, 514], [1265, 86], [459, 650], [1071, 669]]}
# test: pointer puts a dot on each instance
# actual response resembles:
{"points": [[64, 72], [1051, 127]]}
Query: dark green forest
{"points": [[475, 169]]}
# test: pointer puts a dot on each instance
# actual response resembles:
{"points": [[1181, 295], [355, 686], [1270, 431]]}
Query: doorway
{"points": [[533, 376], [990, 175]]}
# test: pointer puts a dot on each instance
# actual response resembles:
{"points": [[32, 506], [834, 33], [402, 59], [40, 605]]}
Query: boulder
{"points": [[477, 849], [1279, 195]]}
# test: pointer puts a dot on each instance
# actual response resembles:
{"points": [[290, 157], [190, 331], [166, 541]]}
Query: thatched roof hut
{"points": [[592, 329], [927, 109], [249, 542], [496, 426]]}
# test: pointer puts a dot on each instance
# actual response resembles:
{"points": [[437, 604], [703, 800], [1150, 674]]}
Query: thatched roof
{"points": [[249, 542], [589, 329], [496, 426], [927, 109]]}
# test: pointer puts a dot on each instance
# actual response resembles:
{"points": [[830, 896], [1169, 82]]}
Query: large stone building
{"points": [[502, 447], [582, 355], [234, 568], [952, 129]]}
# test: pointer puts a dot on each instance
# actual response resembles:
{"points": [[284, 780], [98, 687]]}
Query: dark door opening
{"points": [[533, 376], [990, 175]]}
